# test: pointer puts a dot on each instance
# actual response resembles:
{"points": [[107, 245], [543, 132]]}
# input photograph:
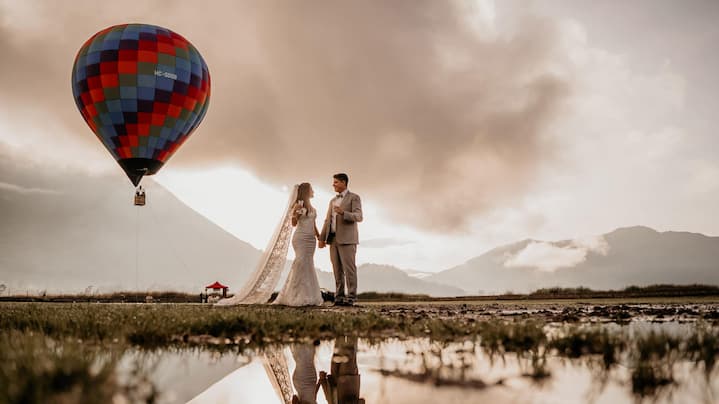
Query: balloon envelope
{"points": [[143, 90]]}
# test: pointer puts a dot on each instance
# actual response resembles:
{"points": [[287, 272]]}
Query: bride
{"points": [[302, 287]]}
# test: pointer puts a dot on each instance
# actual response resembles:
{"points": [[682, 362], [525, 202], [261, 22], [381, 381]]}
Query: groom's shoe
{"points": [[344, 302]]}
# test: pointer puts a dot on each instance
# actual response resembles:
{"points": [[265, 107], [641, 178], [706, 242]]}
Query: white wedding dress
{"points": [[302, 287]]}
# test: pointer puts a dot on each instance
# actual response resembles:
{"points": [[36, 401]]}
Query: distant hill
{"points": [[61, 232], [385, 278], [627, 256], [64, 233]]}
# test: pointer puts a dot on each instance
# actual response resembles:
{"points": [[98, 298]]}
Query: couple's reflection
{"points": [[304, 377], [340, 386]]}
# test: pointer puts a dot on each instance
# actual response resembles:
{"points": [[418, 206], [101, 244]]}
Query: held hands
{"points": [[321, 244]]}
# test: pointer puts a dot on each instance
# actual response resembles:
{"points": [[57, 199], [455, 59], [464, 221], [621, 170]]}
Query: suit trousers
{"points": [[345, 269], [345, 371]]}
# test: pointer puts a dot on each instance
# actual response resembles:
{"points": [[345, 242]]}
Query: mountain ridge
{"points": [[64, 231], [630, 255]]}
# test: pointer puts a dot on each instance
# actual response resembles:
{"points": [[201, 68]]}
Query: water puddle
{"points": [[650, 362]]}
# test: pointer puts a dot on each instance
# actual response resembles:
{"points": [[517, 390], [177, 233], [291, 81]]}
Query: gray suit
{"points": [[343, 247], [342, 385]]}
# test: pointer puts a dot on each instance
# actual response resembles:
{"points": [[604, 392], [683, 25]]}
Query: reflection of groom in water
{"points": [[340, 232], [342, 385]]}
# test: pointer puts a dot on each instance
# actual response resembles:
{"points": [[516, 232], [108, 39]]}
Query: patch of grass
{"points": [[703, 347], [500, 337], [552, 293], [156, 325], [579, 341], [648, 378], [37, 369], [664, 290]]}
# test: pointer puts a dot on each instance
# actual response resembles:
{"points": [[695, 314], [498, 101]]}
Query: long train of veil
{"points": [[262, 283], [275, 364]]}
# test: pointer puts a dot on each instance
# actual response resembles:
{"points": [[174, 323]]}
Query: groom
{"points": [[340, 232], [342, 385]]}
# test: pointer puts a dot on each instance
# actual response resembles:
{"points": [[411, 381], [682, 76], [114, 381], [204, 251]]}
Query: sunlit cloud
{"points": [[549, 257]]}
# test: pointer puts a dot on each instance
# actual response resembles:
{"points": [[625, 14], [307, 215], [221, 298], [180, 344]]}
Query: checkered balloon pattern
{"points": [[143, 90]]}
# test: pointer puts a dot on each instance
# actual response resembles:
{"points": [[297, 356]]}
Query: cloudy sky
{"points": [[463, 125]]}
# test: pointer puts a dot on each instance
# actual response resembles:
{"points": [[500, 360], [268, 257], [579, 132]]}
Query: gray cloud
{"points": [[25, 190], [430, 117]]}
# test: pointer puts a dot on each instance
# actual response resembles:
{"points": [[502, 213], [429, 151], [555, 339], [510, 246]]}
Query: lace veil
{"points": [[261, 284], [275, 364]]}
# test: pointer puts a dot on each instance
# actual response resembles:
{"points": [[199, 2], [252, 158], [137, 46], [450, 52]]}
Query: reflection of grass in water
{"points": [[703, 347], [526, 339], [580, 341], [653, 361], [499, 337], [36, 368], [651, 358], [656, 355]]}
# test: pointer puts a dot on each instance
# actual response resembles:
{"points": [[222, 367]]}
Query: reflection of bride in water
{"points": [[304, 378], [341, 386]]}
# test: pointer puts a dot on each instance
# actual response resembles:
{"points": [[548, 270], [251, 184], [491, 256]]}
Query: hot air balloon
{"points": [[143, 90]]}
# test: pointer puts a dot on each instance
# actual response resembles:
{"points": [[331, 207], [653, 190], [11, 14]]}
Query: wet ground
{"points": [[574, 311], [418, 370], [500, 352]]}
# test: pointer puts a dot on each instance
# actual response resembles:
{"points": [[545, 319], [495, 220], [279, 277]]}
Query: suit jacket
{"points": [[346, 232], [342, 385], [342, 389]]}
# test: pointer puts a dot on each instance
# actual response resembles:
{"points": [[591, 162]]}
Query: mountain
{"points": [[63, 230], [627, 256], [385, 278]]}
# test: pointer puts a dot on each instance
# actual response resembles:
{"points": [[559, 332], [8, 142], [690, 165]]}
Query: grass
{"points": [[581, 341], [662, 291], [150, 325], [470, 300], [157, 325], [35, 368], [45, 347]]}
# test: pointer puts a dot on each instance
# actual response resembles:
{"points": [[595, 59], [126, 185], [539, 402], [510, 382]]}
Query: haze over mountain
{"points": [[386, 278], [65, 232], [62, 232], [627, 256]]}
